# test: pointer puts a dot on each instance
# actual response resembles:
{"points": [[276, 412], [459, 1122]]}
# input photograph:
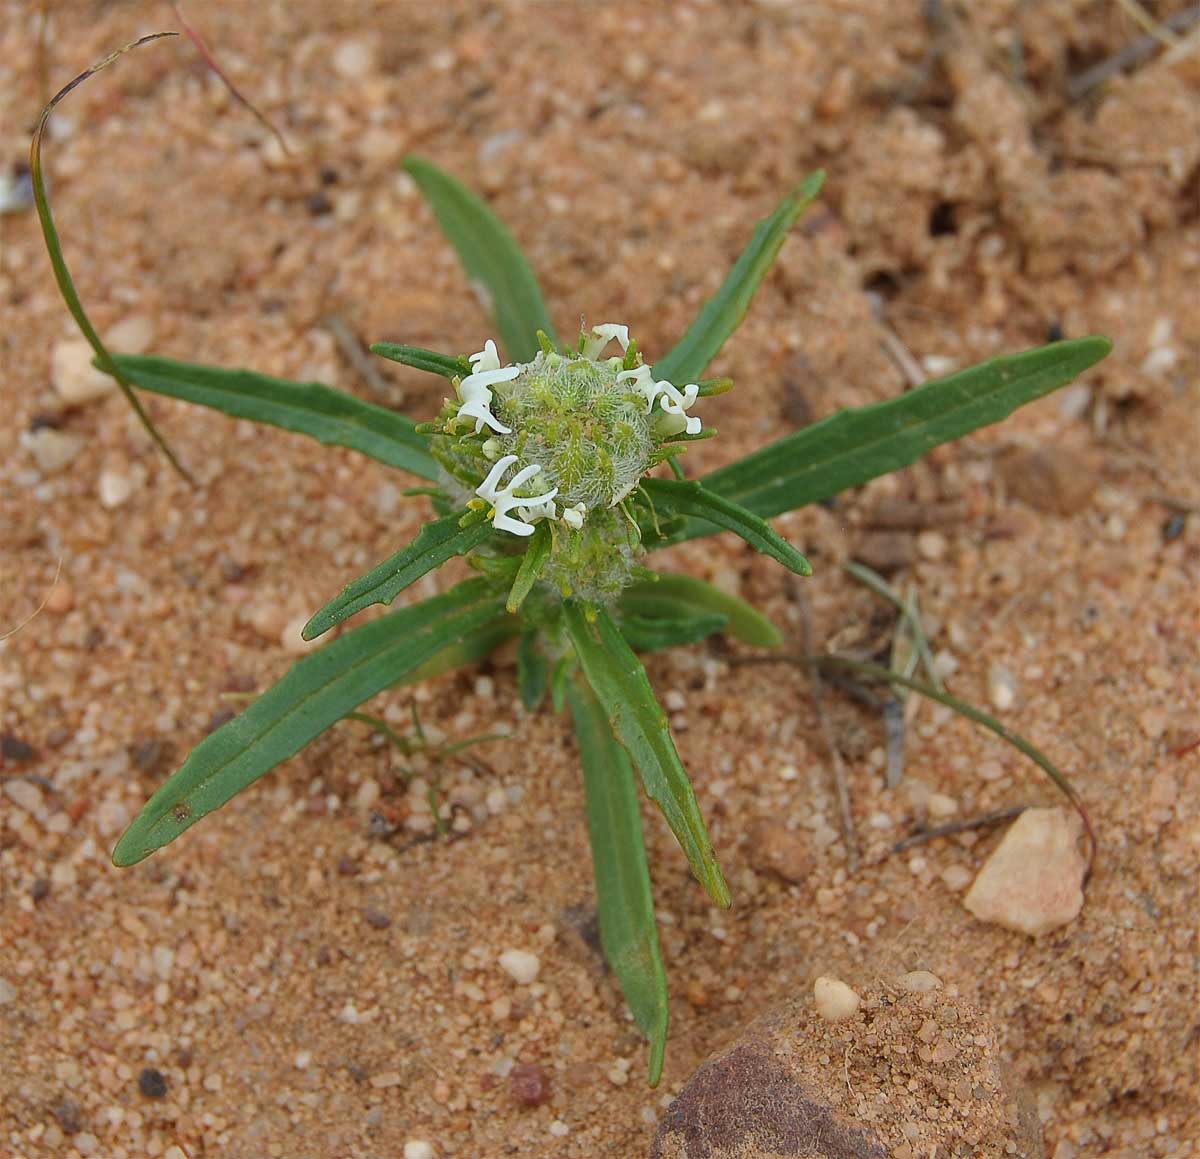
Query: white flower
{"points": [[643, 382], [602, 336], [675, 403], [573, 516], [475, 389], [503, 500]]}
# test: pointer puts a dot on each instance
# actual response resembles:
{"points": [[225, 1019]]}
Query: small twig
{"points": [[1138, 14], [838, 766], [209, 59], [984, 821], [914, 375], [1136, 52], [39, 609], [355, 353]]}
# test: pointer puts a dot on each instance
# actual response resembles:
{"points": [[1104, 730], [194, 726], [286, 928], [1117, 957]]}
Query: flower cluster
{"points": [[578, 428]]}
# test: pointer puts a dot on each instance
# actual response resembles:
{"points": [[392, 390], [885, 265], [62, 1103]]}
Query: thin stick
{"points": [[62, 275], [840, 787], [209, 59], [39, 609], [1136, 52], [352, 350], [984, 821]]}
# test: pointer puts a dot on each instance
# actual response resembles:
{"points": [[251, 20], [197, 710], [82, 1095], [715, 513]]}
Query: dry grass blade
{"points": [[62, 275], [209, 59], [36, 611]]}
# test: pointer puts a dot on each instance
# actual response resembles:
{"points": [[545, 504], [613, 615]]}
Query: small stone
{"points": [[303, 1060], [24, 794], [941, 806], [956, 877], [60, 599], [74, 377], [52, 450], [353, 59], [886, 550], [559, 1129], [152, 1083], [133, 335], [920, 982], [932, 545], [529, 1085], [13, 748], [85, 1143], [293, 642], [114, 489], [775, 849], [418, 1149], [1033, 881], [520, 965], [7, 992], [835, 1000], [376, 919], [386, 1080], [1002, 687], [1052, 479]]}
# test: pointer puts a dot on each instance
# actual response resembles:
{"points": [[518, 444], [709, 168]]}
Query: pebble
{"points": [[835, 1000], [775, 849], [294, 644], [353, 59], [418, 1149], [51, 450], [7, 992], [886, 550], [920, 982], [133, 335], [520, 965], [25, 794], [74, 377], [1002, 687], [61, 598], [1053, 479], [942, 806], [114, 489], [386, 1080], [1033, 881], [529, 1085], [152, 1083], [932, 545]]}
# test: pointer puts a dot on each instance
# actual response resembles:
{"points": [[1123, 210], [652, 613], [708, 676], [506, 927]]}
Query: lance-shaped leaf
{"points": [[437, 542], [533, 671], [639, 723], [674, 595], [316, 692], [308, 408], [536, 556], [723, 313], [853, 446], [700, 502], [653, 633], [625, 902], [430, 360], [490, 256]]}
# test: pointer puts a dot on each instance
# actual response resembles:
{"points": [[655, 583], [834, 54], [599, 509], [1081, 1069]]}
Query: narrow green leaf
{"points": [[533, 671], [437, 542], [653, 633], [625, 900], [639, 723], [490, 256], [316, 692], [723, 313], [853, 446], [308, 408], [700, 502], [673, 595], [536, 556], [430, 360]]}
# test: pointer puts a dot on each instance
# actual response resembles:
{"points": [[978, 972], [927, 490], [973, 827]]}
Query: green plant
{"points": [[540, 472]]}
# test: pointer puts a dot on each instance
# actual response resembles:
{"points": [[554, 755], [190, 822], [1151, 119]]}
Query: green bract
{"points": [[542, 477]]}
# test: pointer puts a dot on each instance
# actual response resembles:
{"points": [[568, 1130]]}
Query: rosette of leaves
{"points": [[578, 640]]}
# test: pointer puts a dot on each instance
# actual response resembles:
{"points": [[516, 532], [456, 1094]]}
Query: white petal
{"points": [[602, 336], [694, 426], [503, 522], [487, 489], [487, 358], [490, 377], [523, 476]]}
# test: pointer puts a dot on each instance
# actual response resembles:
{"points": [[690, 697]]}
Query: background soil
{"points": [[309, 983]]}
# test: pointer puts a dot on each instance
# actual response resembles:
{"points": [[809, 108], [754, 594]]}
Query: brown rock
{"points": [[886, 550], [1052, 479], [912, 1073], [529, 1085], [775, 849]]}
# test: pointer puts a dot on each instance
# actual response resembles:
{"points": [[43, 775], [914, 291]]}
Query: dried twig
{"points": [[983, 821], [355, 354], [1136, 52], [841, 789]]}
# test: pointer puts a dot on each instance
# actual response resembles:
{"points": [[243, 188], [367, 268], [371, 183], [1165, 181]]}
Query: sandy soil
{"points": [[302, 976]]}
